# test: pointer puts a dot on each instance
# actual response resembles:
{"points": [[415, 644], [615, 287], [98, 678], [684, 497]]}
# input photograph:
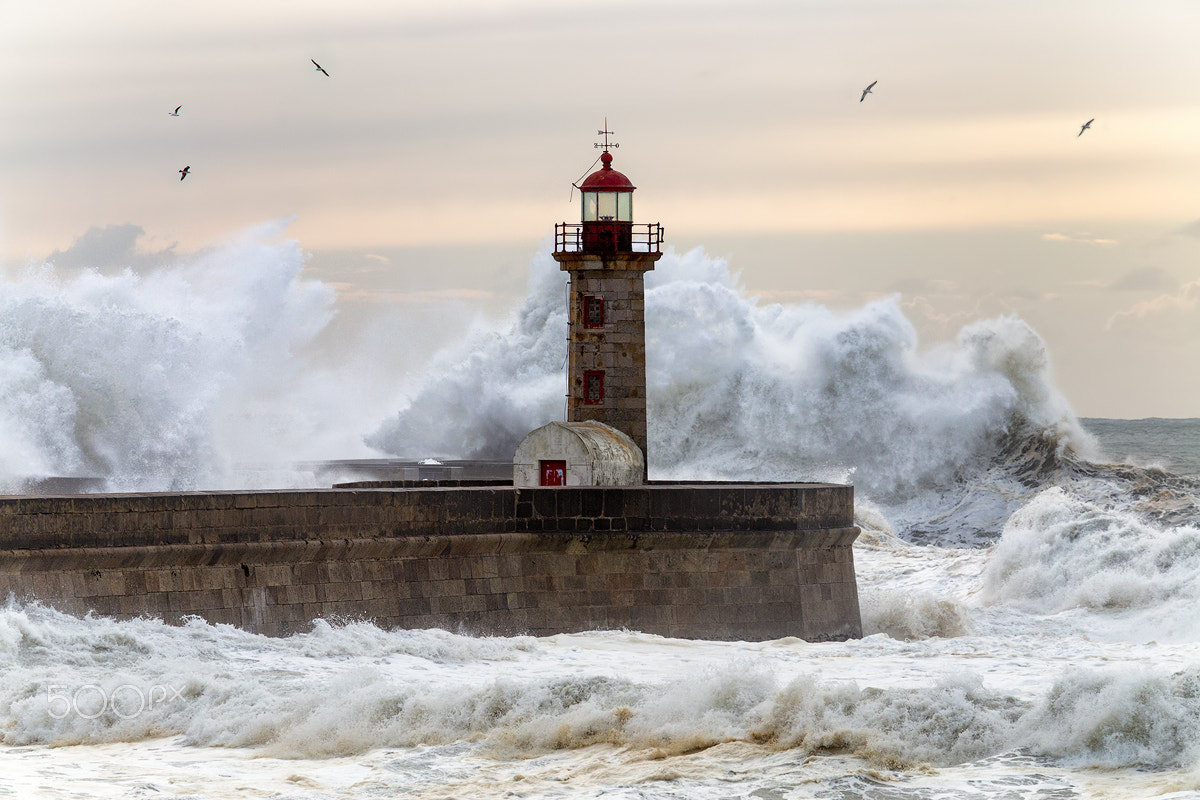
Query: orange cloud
{"points": [[1081, 238]]}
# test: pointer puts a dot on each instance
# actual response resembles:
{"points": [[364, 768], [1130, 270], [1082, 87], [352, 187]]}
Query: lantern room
{"points": [[607, 213], [607, 194]]}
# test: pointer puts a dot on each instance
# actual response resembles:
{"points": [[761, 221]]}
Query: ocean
{"points": [[1029, 579]]}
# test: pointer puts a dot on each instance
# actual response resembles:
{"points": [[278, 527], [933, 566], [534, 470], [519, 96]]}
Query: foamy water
{"points": [[1029, 607]]}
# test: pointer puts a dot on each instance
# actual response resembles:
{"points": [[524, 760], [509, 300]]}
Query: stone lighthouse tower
{"points": [[607, 256]]}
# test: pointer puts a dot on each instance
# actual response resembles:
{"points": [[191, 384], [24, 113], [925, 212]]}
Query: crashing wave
{"points": [[165, 379], [946, 438]]}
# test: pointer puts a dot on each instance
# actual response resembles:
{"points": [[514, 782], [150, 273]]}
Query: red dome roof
{"points": [[606, 179]]}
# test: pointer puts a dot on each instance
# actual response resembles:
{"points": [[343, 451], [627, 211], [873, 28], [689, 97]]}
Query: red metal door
{"points": [[554, 473]]}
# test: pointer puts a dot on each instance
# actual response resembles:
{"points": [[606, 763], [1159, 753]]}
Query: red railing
{"points": [[608, 237]]}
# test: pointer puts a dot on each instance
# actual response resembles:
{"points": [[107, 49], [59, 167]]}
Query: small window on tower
{"points": [[593, 311], [593, 387]]}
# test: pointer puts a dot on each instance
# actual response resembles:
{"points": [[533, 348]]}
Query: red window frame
{"points": [[593, 311], [593, 387]]}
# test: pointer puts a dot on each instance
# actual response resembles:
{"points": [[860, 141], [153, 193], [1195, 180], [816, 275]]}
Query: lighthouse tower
{"points": [[607, 255]]}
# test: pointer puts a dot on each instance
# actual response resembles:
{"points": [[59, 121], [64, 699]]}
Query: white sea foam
{"points": [[1061, 552], [346, 691], [907, 616], [1120, 719]]}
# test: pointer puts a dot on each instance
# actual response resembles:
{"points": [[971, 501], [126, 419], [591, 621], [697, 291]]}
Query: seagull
{"points": [[183, 173], [319, 67], [867, 91], [175, 113], [1086, 125]]}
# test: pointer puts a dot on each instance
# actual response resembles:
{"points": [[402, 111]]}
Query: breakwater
{"points": [[715, 561]]}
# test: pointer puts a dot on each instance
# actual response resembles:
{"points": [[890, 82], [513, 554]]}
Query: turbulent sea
{"points": [[1029, 580]]}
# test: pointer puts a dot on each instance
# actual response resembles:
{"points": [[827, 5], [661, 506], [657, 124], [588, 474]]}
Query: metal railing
{"points": [[608, 237]]}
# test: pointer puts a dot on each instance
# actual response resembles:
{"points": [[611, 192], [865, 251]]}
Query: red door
{"points": [[554, 473]]}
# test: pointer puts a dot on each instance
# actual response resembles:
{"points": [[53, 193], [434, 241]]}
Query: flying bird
{"points": [[183, 173], [867, 91], [175, 113], [319, 67], [1086, 125]]}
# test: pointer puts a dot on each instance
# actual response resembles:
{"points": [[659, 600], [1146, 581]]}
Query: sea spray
{"points": [[482, 394], [739, 389], [800, 392], [1112, 718], [1062, 552], [908, 616], [166, 378], [173, 377]]}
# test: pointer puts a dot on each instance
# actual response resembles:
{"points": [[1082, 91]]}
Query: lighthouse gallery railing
{"points": [[576, 237]]}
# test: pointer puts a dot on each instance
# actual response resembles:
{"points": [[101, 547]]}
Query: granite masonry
{"points": [[715, 561]]}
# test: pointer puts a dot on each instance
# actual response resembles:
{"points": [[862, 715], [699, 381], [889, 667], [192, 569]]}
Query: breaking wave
{"points": [[948, 441], [910, 616], [344, 690], [738, 388], [172, 377], [1062, 552], [166, 378]]}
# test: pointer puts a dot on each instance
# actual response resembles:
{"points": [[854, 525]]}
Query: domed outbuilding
{"points": [[587, 453]]}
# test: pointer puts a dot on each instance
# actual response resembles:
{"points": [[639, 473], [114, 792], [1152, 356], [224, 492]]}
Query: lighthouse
{"points": [[607, 256]]}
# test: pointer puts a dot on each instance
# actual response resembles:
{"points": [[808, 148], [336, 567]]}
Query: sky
{"points": [[432, 163]]}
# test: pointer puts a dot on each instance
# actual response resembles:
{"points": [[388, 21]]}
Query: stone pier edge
{"points": [[741, 561]]}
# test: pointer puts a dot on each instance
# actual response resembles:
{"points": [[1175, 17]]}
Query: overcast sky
{"points": [[438, 154]]}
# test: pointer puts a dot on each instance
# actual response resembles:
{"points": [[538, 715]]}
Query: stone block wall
{"points": [[618, 347], [720, 562]]}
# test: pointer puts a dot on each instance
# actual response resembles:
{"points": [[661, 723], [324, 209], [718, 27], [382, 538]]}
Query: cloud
{"points": [[831, 297], [1181, 304], [110, 247], [1191, 229], [1146, 279], [350, 292], [921, 308], [1080, 238], [911, 286]]}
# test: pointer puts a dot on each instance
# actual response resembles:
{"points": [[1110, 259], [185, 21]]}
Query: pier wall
{"points": [[729, 561]]}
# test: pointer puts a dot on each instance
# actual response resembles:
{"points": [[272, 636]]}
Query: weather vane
{"points": [[606, 145], [606, 133]]}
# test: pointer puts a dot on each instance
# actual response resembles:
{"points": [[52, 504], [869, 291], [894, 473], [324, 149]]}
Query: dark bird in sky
{"points": [[175, 113], [1086, 125], [319, 67], [867, 91], [183, 173]]}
